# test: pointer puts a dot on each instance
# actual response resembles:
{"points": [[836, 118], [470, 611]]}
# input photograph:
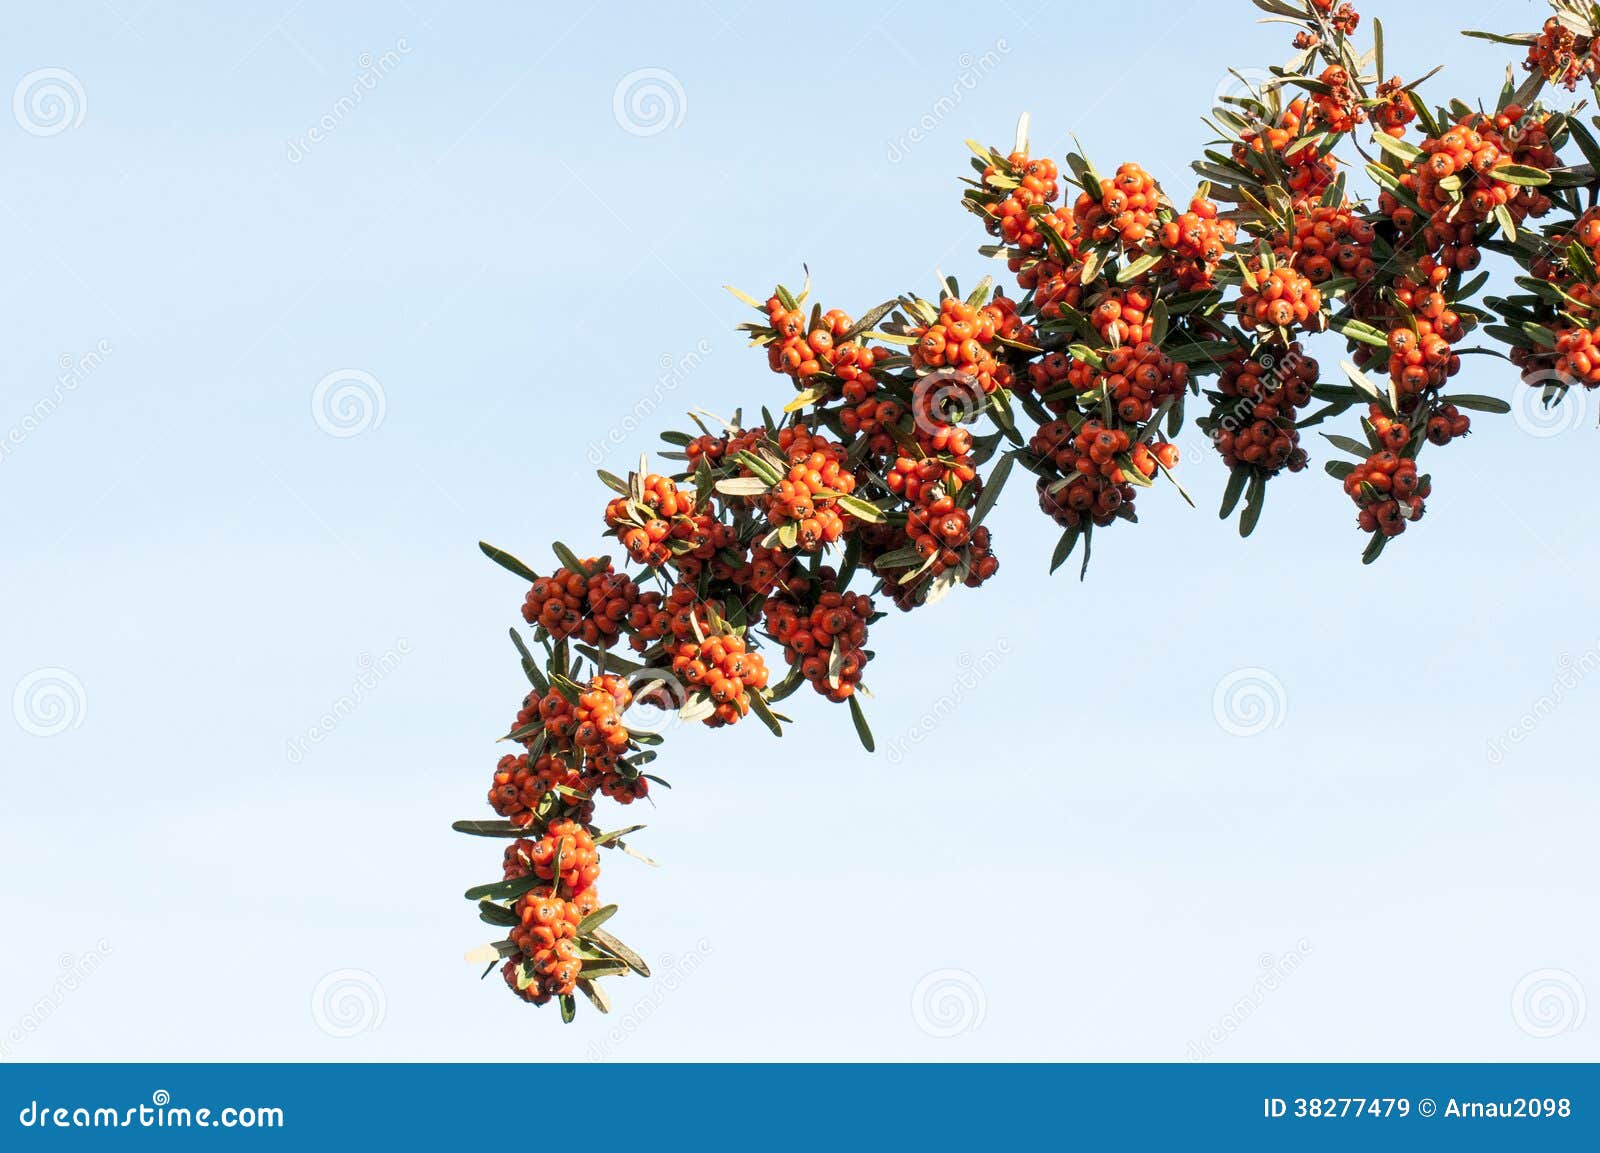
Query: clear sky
{"points": [[314, 298]]}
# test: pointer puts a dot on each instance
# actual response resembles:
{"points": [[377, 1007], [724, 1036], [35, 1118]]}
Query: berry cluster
{"points": [[1329, 241], [1096, 466], [1455, 183], [826, 641], [1122, 208], [725, 669], [1138, 379], [963, 338], [1289, 140], [1256, 404], [1030, 184], [548, 963], [874, 482], [1388, 491], [807, 496], [568, 604], [1561, 56], [1196, 244], [1280, 297], [799, 349]]}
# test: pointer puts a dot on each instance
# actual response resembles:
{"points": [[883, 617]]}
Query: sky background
{"points": [[305, 375]]}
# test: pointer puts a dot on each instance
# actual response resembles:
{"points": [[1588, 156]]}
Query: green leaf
{"points": [[569, 1008], [1477, 403], [862, 510], [1139, 267], [596, 995], [568, 560], [1404, 151], [595, 919], [1502, 216], [616, 834], [1236, 482], [743, 486], [1253, 501], [1359, 331], [747, 299], [759, 706], [530, 667], [758, 466], [508, 562], [493, 914], [991, 490], [802, 399], [504, 890], [602, 968], [1064, 547], [489, 829], [862, 729], [1348, 444], [1520, 174], [620, 951]]}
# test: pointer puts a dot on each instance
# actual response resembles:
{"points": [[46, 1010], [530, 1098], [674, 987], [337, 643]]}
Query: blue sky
{"points": [[492, 256]]}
